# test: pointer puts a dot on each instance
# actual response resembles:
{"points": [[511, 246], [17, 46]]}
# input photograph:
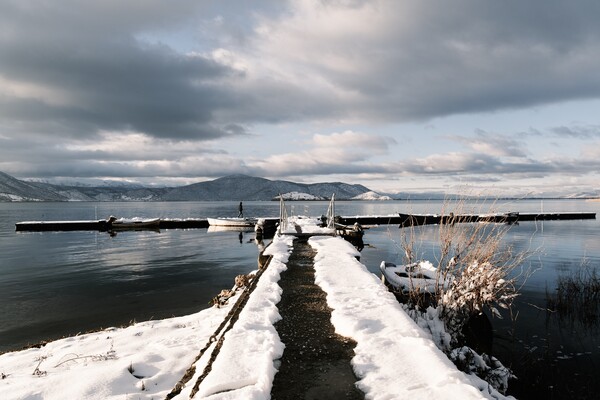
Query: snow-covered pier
{"points": [[354, 340]]}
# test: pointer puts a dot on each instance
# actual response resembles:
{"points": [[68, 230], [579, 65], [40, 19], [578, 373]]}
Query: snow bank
{"points": [[244, 368], [145, 359]]}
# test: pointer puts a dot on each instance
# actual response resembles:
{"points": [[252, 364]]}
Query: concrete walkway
{"points": [[316, 360]]}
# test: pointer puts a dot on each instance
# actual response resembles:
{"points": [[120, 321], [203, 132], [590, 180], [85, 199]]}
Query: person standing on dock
{"points": [[241, 209]]}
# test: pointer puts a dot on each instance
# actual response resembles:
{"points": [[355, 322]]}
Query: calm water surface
{"points": [[60, 283]]}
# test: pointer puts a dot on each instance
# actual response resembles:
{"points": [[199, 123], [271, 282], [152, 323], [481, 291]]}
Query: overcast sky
{"points": [[495, 97]]}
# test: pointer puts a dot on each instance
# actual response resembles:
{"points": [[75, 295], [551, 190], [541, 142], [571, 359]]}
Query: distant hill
{"points": [[12, 189], [233, 187], [243, 187]]}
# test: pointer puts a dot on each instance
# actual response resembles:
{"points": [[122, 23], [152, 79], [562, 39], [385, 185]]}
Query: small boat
{"points": [[239, 222], [355, 231], [419, 219], [123, 224], [421, 277]]}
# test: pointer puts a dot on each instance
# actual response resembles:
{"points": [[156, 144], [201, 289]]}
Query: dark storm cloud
{"points": [[88, 54], [407, 60]]}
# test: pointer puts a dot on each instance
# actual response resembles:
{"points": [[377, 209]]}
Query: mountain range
{"points": [[232, 187]]}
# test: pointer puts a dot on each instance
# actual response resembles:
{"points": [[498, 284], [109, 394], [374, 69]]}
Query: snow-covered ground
{"points": [[394, 357], [14, 197], [371, 196], [298, 196]]}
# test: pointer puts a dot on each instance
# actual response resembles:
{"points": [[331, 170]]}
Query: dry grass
{"points": [[577, 297], [474, 259]]}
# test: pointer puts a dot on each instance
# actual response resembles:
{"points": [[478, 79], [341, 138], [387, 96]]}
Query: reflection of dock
{"points": [[214, 229]]}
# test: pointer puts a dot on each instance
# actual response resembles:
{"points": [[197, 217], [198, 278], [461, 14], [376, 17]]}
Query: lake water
{"points": [[54, 284]]}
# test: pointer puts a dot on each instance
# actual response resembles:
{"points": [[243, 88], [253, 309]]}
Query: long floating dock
{"points": [[433, 219], [399, 219], [105, 226], [102, 225]]}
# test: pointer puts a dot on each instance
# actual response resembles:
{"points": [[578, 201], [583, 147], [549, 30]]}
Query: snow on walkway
{"points": [[395, 358]]}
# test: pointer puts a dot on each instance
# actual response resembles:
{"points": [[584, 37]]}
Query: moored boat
{"points": [[238, 222], [434, 219], [122, 224], [421, 277]]}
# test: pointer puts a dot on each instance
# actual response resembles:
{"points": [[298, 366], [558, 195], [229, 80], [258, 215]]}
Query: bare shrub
{"points": [[475, 261], [476, 270]]}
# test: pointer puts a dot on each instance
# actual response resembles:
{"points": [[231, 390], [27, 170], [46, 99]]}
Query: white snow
{"points": [[394, 358], [15, 197], [371, 196], [305, 225], [298, 196]]}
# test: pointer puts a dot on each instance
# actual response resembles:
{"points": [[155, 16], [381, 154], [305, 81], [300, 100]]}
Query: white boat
{"points": [[239, 222], [421, 277], [122, 223]]}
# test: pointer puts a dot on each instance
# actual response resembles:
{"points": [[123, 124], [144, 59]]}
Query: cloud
{"points": [[495, 144], [76, 68], [338, 152], [398, 61], [577, 132], [104, 65]]}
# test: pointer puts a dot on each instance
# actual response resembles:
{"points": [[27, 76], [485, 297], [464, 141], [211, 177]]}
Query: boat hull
{"points": [[435, 219], [132, 225], [232, 222], [421, 277]]}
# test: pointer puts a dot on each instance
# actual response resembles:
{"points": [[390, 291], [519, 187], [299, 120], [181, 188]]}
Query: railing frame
{"points": [[283, 217], [331, 215]]}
